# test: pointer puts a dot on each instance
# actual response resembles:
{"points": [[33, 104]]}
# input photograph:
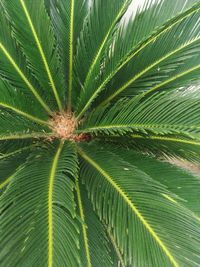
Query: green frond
{"points": [[143, 221], [37, 42], [99, 133], [8, 146], [174, 113], [159, 66], [13, 65], [150, 23], [11, 162], [94, 245], [117, 255], [163, 146], [15, 100], [38, 212], [14, 124], [182, 183], [68, 18], [95, 39]]}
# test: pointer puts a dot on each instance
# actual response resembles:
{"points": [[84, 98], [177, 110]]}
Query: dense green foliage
{"points": [[95, 97]]}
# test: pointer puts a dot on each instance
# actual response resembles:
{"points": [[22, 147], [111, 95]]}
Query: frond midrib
{"points": [[34, 135], [129, 57], [41, 51], [24, 114], [131, 205], [164, 138], [17, 151], [24, 78], [142, 126], [96, 57], [50, 203], [116, 248], [137, 76], [71, 52], [173, 78], [84, 227]]}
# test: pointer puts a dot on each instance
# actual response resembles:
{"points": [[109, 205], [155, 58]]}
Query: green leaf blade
{"points": [[166, 113], [95, 247], [41, 207], [41, 57], [122, 52], [131, 196]]}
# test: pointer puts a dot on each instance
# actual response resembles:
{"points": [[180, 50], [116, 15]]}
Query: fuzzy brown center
{"points": [[64, 127]]}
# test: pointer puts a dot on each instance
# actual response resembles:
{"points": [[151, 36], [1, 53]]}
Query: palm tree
{"points": [[97, 100]]}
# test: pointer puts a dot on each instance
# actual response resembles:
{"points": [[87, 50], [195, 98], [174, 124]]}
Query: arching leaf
{"points": [[38, 212], [38, 44], [95, 249], [11, 162], [144, 221], [159, 66], [17, 101], [135, 38], [184, 184], [13, 65], [95, 39], [164, 146], [20, 126], [160, 114], [68, 18]]}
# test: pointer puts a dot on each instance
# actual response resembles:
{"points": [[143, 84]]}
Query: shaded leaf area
{"points": [[20, 102], [160, 114], [13, 67], [39, 48], [161, 146], [150, 21], [159, 66], [40, 200], [19, 126], [95, 247], [68, 19], [95, 39], [182, 183], [9, 146], [149, 227], [11, 162]]}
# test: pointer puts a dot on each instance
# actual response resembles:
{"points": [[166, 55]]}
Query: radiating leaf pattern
{"points": [[99, 133], [41, 54], [133, 199], [46, 204], [68, 18], [130, 116]]}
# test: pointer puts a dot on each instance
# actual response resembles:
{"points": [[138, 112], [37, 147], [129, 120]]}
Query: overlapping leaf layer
{"points": [[99, 133]]}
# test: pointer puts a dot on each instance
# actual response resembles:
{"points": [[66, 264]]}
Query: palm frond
{"points": [[161, 146], [95, 38], [13, 64], [163, 113], [117, 255], [138, 212], [99, 133], [159, 66], [7, 147], [11, 162], [41, 200], [19, 126], [94, 243], [68, 18], [15, 100], [184, 184], [133, 39], [38, 47]]}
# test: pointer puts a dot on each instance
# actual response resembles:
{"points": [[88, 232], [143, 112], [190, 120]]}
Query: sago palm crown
{"points": [[99, 133]]}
